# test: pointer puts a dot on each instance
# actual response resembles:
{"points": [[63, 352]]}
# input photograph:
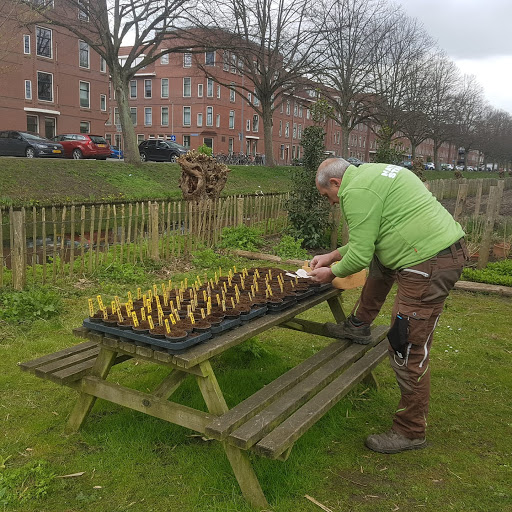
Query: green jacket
{"points": [[391, 214]]}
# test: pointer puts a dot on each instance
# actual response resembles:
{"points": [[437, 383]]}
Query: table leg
{"points": [[239, 460], [83, 407], [170, 384], [337, 309]]}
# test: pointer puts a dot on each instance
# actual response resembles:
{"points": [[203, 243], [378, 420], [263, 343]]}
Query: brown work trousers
{"points": [[422, 291]]}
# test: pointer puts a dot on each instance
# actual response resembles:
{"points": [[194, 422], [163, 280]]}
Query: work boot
{"points": [[351, 329], [393, 442]]}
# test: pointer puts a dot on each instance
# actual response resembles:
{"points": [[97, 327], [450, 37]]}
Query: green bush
{"points": [[241, 237], [291, 248], [29, 305], [205, 150], [122, 272], [499, 273], [208, 259]]}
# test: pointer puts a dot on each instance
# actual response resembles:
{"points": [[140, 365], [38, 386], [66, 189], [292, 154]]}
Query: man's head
{"points": [[328, 178]]}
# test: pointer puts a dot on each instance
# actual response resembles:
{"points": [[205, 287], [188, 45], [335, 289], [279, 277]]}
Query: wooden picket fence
{"points": [[41, 244]]}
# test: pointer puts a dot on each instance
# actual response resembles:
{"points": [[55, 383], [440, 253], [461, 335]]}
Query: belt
{"points": [[457, 246]]}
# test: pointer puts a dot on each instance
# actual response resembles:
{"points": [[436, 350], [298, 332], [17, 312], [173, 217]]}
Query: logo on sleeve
{"points": [[391, 171]]}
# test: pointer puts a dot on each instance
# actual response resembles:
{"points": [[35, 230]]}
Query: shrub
{"points": [[121, 272], [499, 273], [291, 248], [208, 258], [241, 237], [205, 150], [29, 305]]}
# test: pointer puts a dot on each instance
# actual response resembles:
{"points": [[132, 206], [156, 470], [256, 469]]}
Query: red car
{"points": [[84, 145]]}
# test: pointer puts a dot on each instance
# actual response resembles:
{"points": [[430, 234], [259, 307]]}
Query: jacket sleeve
{"points": [[363, 211]]}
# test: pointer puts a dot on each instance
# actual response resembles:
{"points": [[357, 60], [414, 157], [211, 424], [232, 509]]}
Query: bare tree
{"points": [[444, 79], [468, 111], [351, 31], [106, 25], [272, 44], [494, 133], [404, 46]]}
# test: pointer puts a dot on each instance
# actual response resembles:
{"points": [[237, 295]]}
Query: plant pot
{"points": [[501, 250]]}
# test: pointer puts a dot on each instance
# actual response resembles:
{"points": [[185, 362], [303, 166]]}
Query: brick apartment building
{"points": [[51, 82]]}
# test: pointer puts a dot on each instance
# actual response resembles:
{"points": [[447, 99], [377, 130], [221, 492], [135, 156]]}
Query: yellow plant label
{"points": [[135, 320], [91, 308]]}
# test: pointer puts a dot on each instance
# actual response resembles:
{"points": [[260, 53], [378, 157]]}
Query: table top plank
{"points": [[220, 343]]}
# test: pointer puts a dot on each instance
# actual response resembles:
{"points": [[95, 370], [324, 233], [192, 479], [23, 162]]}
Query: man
{"points": [[398, 229]]}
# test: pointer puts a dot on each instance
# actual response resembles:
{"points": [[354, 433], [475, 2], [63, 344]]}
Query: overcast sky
{"points": [[477, 36]]}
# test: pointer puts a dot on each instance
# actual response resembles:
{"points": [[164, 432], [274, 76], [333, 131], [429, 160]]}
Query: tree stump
{"points": [[202, 177]]}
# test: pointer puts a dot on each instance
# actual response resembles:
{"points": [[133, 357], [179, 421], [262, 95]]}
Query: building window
{"points": [[187, 60], [165, 88], [218, 92], [299, 133], [148, 86], [225, 60], [295, 109], [209, 58], [256, 100], [307, 114], [133, 115], [187, 114], [44, 86], [32, 124], [288, 108], [231, 119], [294, 131], [103, 65], [249, 98], [233, 63], [103, 102], [280, 128], [281, 152], [140, 138], [209, 116], [165, 116], [83, 52], [85, 127], [28, 89], [85, 99], [164, 59], [133, 89], [208, 142], [300, 110], [116, 116], [248, 125], [200, 119], [231, 144], [209, 88], [287, 130], [255, 122], [26, 44], [83, 11], [186, 141], [148, 116], [232, 93], [199, 90], [187, 87], [43, 42], [217, 122]]}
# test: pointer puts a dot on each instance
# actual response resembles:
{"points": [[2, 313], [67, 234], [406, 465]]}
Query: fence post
{"points": [[154, 231], [461, 200], [483, 257], [240, 210], [17, 255]]}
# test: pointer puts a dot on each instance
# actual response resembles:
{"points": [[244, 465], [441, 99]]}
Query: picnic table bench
{"points": [[267, 423]]}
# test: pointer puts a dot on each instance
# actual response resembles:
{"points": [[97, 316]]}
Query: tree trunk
{"points": [[266, 110], [131, 149], [345, 134], [413, 151], [436, 154]]}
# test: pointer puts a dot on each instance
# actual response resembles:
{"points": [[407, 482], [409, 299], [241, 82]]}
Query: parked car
{"points": [[116, 152], [14, 143], [459, 167], [354, 161], [446, 167], [470, 168], [406, 163], [84, 145], [160, 150], [430, 166]]}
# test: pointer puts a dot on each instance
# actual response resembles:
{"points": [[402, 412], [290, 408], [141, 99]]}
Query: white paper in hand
{"points": [[300, 273]]}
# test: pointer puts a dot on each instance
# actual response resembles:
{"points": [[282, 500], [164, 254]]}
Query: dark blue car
{"points": [[115, 152]]}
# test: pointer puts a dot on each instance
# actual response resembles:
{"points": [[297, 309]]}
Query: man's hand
{"points": [[325, 260], [322, 275]]}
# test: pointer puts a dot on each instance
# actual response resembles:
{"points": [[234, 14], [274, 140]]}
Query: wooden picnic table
{"points": [[267, 423]]}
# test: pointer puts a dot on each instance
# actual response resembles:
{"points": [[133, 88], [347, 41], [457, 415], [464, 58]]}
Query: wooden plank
{"points": [[72, 360], [1, 247], [17, 250], [62, 249], [34, 243], [147, 404], [251, 406], [219, 344], [43, 236], [123, 235], [490, 217], [283, 436], [54, 252], [82, 238], [72, 241], [91, 240], [299, 324], [76, 349], [276, 412], [98, 238]]}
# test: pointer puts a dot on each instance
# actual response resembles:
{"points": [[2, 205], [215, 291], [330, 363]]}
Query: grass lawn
{"points": [[137, 463], [39, 181]]}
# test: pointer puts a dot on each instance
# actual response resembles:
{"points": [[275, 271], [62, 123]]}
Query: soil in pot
{"points": [[142, 328], [158, 331], [176, 335]]}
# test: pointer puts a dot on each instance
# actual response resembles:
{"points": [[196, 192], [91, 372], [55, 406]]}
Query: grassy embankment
{"points": [[43, 182], [137, 463]]}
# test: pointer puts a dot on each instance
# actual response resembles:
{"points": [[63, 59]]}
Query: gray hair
{"points": [[331, 168]]}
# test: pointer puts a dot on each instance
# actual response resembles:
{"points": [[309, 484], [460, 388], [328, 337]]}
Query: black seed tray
{"points": [[149, 341], [226, 325], [304, 294], [254, 313], [321, 288], [276, 308]]}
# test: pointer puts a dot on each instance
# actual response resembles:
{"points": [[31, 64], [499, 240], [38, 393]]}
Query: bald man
{"points": [[401, 232]]}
